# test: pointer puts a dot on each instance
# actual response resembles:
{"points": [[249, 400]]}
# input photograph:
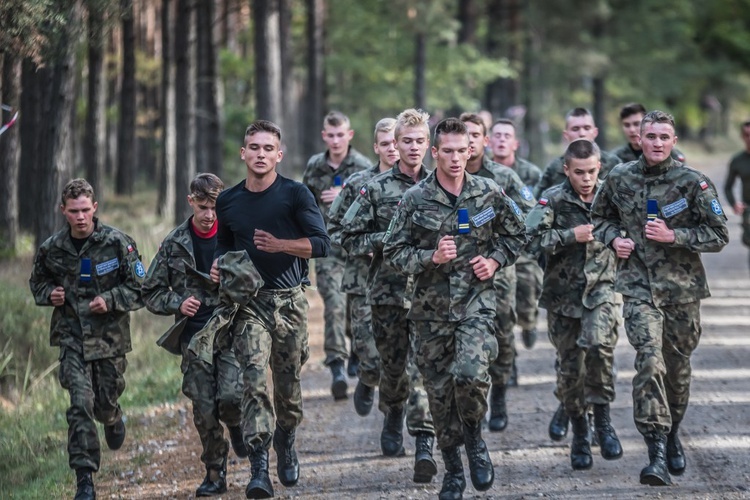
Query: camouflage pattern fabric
{"points": [[116, 273], [626, 154], [663, 338], [554, 172], [94, 388], [418, 415], [363, 341], [529, 173], [271, 330], [528, 288]]}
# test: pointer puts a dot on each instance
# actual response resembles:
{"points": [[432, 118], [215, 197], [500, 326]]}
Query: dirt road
{"points": [[340, 455]]}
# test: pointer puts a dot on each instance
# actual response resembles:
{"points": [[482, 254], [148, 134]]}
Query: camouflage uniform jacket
{"points": [[554, 173], [319, 176], [626, 154], [364, 226], [577, 275], [116, 273], [529, 173], [661, 273], [509, 181], [451, 291], [354, 281], [167, 283]]}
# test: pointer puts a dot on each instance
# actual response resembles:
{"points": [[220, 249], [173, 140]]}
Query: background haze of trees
{"points": [[139, 93]]}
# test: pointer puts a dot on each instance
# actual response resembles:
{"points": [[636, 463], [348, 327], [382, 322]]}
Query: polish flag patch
{"points": [[703, 185], [130, 248], [542, 201], [363, 191]]}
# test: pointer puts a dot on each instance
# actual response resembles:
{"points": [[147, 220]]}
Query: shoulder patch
{"points": [[363, 190], [704, 185], [515, 207], [139, 270], [716, 207], [543, 201], [526, 193], [130, 248]]}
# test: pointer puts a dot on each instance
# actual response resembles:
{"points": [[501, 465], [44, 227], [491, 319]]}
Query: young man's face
{"points": [[79, 213], [657, 141], [583, 175], [412, 144], [261, 153], [478, 140], [503, 141], [385, 148], [580, 127], [337, 139], [451, 155], [631, 128], [204, 213], [746, 137]]}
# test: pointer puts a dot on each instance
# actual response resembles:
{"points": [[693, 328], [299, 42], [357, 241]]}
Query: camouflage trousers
{"points": [[585, 350], [329, 272], [363, 342], [271, 330], [94, 388], [528, 289], [454, 358], [400, 381], [505, 320], [216, 393], [663, 338]]}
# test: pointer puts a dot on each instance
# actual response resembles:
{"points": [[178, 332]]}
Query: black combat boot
{"points": [[558, 426], [675, 453], [84, 485], [364, 396], [215, 482], [260, 484], [480, 463], [454, 482], [425, 467], [529, 337], [352, 364], [609, 445], [238, 444], [498, 411], [114, 434], [338, 382], [656, 473], [287, 465], [580, 446], [392, 437]]}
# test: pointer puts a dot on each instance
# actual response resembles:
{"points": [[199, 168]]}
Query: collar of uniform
{"points": [[396, 171], [657, 169], [432, 190], [66, 243], [571, 195], [348, 160]]}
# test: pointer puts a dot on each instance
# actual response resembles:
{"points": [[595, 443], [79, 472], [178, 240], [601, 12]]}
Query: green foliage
{"points": [[25, 25]]}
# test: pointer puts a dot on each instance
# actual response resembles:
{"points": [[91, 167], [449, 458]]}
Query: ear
{"points": [[95, 205], [434, 152], [242, 154], [350, 134]]}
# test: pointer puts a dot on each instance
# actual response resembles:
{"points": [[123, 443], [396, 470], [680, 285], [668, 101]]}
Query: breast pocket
{"points": [[427, 229]]}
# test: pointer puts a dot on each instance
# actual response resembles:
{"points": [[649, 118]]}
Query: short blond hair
{"points": [[383, 126], [412, 118]]}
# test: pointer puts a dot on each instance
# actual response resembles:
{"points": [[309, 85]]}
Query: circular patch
{"points": [[139, 270], [716, 207], [526, 193]]}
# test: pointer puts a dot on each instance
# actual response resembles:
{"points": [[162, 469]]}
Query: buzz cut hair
{"points": [[475, 119], [449, 126], [75, 189], [336, 119], [412, 118], [657, 116], [206, 186], [504, 121], [262, 126], [577, 112], [581, 149], [384, 125], [631, 109]]}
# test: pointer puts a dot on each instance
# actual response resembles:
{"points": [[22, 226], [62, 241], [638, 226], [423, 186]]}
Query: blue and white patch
{"points": [[107, 267], [716, 207], [526, 193], [515, 207], [674, 208], [483, 217], [140, 271]]}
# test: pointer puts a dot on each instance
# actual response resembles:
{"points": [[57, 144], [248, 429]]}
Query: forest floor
{"points": [[340, 455]]}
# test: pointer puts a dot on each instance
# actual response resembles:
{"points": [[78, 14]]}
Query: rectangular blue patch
{"points": [[107, 267], [674, 208], [483, 217]]}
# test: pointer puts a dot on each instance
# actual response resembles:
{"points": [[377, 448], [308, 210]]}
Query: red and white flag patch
{"points": [[703, 185]]}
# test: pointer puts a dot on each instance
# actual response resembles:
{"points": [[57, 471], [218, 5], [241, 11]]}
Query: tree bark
{"points": [[315, 76], [532, 78], [503, 40], [126, 141], [167, 192], [10, 154], [209, 137], [267, 61], [29, 125], [420, 67], [184, 106], [467, 17], [94, 141]]}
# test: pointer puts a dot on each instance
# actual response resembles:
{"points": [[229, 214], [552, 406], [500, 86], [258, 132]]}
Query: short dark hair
{"points": [[577, 112], [335, 119], [262, 126], [76, 188], [449, 126], [581, 149], [206, 186], [657, 116], [504, 121], [475, 119], [631, 109]]}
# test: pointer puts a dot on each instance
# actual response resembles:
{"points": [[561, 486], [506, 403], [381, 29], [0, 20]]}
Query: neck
{"points": [[256, 184], [587, 198], [412, 172], [507, 161], [204, 234], [635, 147], [473, 165], [382, 166], [334, 161], [451, 184]]}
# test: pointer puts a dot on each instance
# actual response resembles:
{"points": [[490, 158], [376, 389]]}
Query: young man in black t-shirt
{"points": [[215, 390], [277, 221]]}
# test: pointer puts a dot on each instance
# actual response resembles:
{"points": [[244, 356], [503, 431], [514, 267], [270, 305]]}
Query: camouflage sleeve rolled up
{"points": [[157, 290]]}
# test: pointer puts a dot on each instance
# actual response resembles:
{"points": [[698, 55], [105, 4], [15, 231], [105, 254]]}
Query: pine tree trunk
{"points": [[126, 143], [10, 154], [184, 107], [167, 191], [94, 146]]}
